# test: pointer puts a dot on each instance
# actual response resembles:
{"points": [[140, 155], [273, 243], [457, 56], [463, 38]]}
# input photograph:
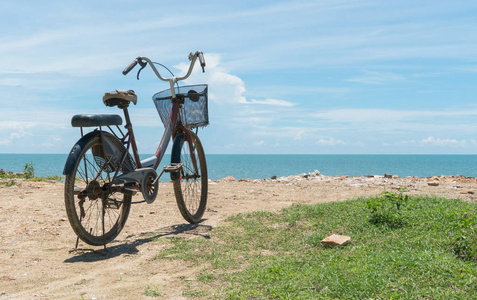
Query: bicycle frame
{"points": [[172, 127], [173, 124]]}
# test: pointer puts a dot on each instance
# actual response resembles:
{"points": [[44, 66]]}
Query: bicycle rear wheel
{"points": [[190, 184], [96, 214]]}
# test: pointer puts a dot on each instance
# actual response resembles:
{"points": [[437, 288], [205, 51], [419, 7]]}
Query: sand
{"points": [[36, 237]]}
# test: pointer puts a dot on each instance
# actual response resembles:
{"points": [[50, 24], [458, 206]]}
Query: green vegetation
{"points": [[8, 178], [29, 171], [386, 209], [9, 182], [401, 248], [465, 240], [152, 291]]}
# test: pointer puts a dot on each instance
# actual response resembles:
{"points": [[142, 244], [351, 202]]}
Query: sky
{"points": [[285, 77]]}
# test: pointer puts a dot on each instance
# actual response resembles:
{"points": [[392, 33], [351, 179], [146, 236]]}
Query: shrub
{"points": [[465, 241], [29, 171], [386, 209]]}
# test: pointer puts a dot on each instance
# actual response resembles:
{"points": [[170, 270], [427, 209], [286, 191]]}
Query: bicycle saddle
{"points": [[119, 98]]}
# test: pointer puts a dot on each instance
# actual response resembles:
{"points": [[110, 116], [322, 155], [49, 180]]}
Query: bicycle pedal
{"points": [[173, 167]]}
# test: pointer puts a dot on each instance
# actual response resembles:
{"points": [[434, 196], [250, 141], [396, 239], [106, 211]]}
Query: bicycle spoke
{"points": [[190, 180]]}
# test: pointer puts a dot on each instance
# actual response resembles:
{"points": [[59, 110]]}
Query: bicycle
{"points": [[102, 175]]}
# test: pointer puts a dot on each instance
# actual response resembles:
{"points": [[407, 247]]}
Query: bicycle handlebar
{"points": [[144, 60]]}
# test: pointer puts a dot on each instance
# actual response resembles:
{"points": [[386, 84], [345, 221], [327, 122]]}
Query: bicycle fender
{"points": [[76, 151], [112, 147]]}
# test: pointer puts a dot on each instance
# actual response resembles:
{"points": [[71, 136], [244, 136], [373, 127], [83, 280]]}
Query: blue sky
{"points": [[304, 77]]}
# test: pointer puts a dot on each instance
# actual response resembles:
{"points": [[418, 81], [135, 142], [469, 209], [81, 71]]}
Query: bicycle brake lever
{"points": [[142, 67], [142, 63]]}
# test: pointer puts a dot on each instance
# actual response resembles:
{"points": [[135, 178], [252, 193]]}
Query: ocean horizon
{"points": [[259, 166]]}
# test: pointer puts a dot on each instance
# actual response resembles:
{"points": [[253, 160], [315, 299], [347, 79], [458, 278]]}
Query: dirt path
{"points": [[35, 235]]}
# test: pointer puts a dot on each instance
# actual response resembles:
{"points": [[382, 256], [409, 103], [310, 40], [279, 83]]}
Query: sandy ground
{"points": [[35, 261]]}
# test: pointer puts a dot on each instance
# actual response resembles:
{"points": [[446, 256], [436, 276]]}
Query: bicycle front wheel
{"points": [[96, 215], [190, 184]]}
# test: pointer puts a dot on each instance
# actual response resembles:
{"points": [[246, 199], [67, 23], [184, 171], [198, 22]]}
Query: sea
{"points": [[242, 166]]}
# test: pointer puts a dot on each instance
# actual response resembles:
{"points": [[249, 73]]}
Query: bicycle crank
{"points": [[146, 177], [149, 186]]}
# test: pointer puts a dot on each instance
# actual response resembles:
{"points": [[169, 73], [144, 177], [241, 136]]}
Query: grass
{"points": [[9, 182], [267, 255], [152, 291], [8, 178]]}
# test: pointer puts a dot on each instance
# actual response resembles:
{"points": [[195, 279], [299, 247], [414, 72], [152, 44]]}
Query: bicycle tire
{"points": [[190, 188], [86, 217]]}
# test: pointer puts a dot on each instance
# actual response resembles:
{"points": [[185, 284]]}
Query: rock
{"points": [[369, 176], [336, 240], [467, 192], [7, 278], [228, 178], [433, 183]]}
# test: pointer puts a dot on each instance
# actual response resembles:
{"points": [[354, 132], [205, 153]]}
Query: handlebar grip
{"points": [[202, 61], [130, 67]]}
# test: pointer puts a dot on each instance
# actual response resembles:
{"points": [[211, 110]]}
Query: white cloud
{"points": [[439, 142], [377, 115], [15, 131], [431, 141], [52, 142], [330, 142], [299, 135], [223, 87], [273, 102], [378, 78]]}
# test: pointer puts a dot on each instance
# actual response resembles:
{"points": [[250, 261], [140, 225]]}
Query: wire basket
{"points": [[194, 111]]}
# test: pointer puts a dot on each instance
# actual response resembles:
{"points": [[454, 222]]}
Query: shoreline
{"points": [[312, 176], [317, 176]]}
